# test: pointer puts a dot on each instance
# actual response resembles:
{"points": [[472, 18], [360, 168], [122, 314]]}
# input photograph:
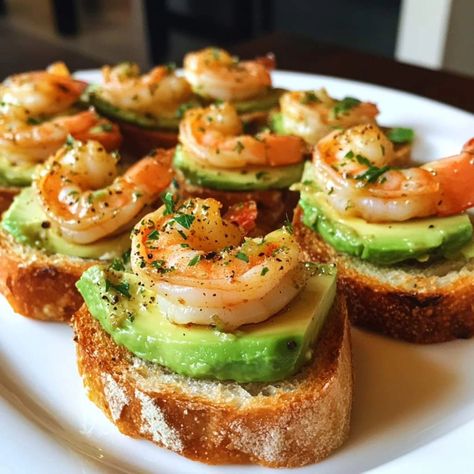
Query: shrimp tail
{"points": [[455, 176]]}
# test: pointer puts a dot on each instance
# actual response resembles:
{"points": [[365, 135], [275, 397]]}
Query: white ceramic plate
{"points": [[405, 395]]}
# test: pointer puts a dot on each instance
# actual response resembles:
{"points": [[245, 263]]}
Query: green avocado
{"points": [[276, 123], [150, 122], [15, 175], [261, 103], [249, 179], [263, 352], [382, 244], [27, 223]]}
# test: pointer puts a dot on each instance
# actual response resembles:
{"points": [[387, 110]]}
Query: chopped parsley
{"points": [[401, 135], [264, 271], [160, 266], [194, 261], [242, 256], [373, 173], [309, 97], [169, 204], [183, 108], [288, 225], [153, 235], [122, 287], [344, 105], [70, 141], [117, 265], [185, 220]]}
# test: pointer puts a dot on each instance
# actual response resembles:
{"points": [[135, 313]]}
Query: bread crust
{"points": [[424, 315], [7, 193], [37, 285], [284, 429], [139, 141]]}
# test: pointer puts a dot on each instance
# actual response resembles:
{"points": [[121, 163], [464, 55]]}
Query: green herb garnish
{"points": [[401, 135], [194, 261], [122, 287], [344, 105], [242, 256]]}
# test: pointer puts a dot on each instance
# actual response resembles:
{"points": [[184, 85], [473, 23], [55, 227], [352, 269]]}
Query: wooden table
{"points": [[20, 52]]}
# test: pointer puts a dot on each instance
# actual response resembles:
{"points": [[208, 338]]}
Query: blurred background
{"points": [[433, 33]]}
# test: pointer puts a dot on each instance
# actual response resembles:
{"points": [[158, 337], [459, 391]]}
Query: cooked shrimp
{"points": [[160, 92], [25, 140], [42, 93], [214, 137], [313, 114], [81, 194], [353, 168], [215, 74], [203, 273]]}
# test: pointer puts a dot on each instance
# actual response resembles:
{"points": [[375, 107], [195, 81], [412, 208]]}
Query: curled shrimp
{"points": [[159, 93], [215, 74], [84, 198], [203, 270], [42, 93], [313, 114], [214, 136], [25, 140], [353, 168]]}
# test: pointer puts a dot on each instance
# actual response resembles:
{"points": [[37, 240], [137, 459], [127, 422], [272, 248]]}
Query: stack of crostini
{"points": [[205, 232]]}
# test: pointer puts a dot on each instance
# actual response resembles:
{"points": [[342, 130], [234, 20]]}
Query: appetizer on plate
{"points": [[400, 237], [217, 76], [38, 111], [148, 107], [313, 114], [215, 158], [78, 212], [222, 348]]}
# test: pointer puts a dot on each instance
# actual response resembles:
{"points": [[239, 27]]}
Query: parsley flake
{"points": [[122, 287], [194, 261], [242, 256]]}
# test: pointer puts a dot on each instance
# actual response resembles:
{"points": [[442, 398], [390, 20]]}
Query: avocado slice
{"points": [[381, 243], [150, 122], [261, 103], [28, 224], [248, 179], [15, 175], [263, 352]]}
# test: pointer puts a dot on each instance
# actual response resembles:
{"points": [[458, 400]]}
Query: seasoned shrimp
{"points": [[42, 93], [313, 114], [81, 194], [215, 74], [353, 168], [202, 272], [214, 137], [25, 140], [160, 92]]}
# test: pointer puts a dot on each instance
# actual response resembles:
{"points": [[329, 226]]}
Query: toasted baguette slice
{"points": [[422, 304], [295, 422], [38, 285], [7, 193]]}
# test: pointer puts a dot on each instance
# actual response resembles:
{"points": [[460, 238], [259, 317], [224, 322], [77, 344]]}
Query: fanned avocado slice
{"points": [[29, 225], [249, 179], [268, 351], [381, 243], [150, 122]]}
